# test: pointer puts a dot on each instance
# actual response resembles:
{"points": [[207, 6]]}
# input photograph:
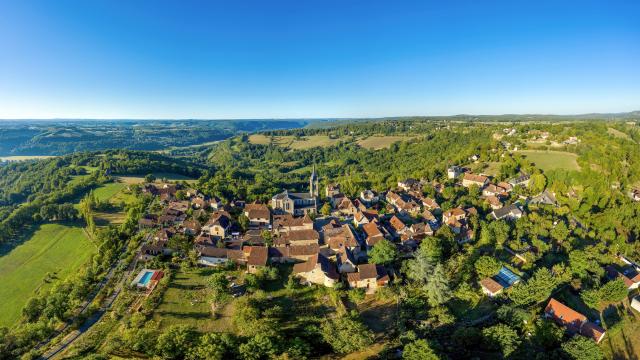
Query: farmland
{"points": [[55, 250], [159, 176], [551, 160]]}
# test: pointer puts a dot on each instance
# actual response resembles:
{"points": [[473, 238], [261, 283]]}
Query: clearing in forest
{"points": [[52, 251], [377, 142], [551, 160], [293, 142]]}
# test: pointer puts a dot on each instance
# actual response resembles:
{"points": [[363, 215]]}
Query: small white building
{"points": [[635, 303]]}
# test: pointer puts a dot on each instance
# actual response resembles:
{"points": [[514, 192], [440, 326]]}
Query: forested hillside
{"points": [[64, 137]]}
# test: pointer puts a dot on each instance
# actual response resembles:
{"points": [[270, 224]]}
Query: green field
{"points": [[551, 160], [53, 248], [159, 176], [108, 191]]}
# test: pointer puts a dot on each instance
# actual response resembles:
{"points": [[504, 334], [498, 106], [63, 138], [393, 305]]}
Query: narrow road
{"points": [[74, 335]]}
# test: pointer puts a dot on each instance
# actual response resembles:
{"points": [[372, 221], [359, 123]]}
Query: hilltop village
{"points": [[347, 242]]}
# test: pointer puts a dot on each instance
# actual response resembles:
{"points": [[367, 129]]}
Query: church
{"points": [[298, 204]]}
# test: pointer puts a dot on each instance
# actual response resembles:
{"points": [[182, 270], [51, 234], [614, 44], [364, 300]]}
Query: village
{"points": [[330, 244]]}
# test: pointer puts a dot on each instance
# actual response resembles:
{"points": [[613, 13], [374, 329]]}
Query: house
{"points": [[494, 202], [199, 203], [257, 257], [454, 214], [259, 215], [369, 277], [473, 179], [147, 222], [215, 203], [506, 186], [191, 227], [342, 238], [298, 203], [332, 189], [402, 204], [346, 206], [544, 198], [286, 223], [211, 255], [630, 276], [509, 212], [454, 171], [430, 204], [373, 233], [419, 231], [430, 219], [298, 237], [369, 197], [317, 270], [573, 321], [494, 190], [363, 217], [522, 180], [491, 287], [397, 226], [409, 184], [218, 225], [293, 253]]}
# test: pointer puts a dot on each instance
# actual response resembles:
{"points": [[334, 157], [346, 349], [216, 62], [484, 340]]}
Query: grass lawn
{"points": [[186, 303], [550, 160], [53, 248], [381, 142], [108, 191]]}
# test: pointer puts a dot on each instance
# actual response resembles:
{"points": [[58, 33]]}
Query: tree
{"points": [[175, 342], [536, 289], [260, 346], [487, 266], [219, 285], [346, 335], [437, 287], [537, 183], [267, 237], [243, 221], [614, 291], [560, 232], [149, 178], [501, 337], [420, 267], [383, 253], [582, 348], [325, 209], [548, 334], [418, 350]]}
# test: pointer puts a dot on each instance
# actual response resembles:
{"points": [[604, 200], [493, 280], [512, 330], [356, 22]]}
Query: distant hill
{"points": [[59, 137]]}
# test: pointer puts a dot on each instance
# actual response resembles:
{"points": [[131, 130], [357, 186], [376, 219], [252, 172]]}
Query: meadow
{"points": [[291, 142], [159, 176], [551, 160], [54, 250], [381, 142]]}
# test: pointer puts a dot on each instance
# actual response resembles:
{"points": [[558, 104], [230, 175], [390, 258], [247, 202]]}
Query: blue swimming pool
{"points": [[145, 278]]}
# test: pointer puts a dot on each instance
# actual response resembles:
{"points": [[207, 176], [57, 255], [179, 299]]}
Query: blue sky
{"points": [[304, 58]]}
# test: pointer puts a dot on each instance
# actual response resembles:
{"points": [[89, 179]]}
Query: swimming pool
{"points": [[145, 278]]}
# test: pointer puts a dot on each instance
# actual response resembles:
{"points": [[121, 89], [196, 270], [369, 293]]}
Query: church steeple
{"points": [[313, 182]]}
